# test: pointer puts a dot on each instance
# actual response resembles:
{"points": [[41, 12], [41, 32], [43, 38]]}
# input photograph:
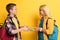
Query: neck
{"points": [[11, 14], [42, 16]]}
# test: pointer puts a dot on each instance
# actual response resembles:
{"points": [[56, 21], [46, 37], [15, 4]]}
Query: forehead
{"points": [[14, 6]]}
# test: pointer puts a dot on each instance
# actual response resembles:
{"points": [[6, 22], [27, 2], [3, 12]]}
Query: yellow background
{"points": [[28, 14]]}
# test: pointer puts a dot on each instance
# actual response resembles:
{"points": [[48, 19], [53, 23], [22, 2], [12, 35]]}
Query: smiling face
{"points": [[44, 11]]}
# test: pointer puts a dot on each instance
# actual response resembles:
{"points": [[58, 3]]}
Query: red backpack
{"points": [[3, 34]]}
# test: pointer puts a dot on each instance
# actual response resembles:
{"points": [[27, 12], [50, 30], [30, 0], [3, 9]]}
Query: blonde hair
{"points": [[46, 10]]}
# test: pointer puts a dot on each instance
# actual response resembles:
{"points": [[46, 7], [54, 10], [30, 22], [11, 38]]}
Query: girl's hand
{"points": [[44, 30], [37, 28]]}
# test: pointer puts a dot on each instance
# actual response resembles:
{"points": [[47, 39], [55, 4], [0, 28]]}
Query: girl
{"points": [[43, 31]]}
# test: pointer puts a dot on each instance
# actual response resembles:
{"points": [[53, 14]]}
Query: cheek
{"points": [[14, 11], [41, 12]]}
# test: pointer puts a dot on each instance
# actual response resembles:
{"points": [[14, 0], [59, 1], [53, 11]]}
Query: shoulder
{"points": [[50, 20], [8, 19]]}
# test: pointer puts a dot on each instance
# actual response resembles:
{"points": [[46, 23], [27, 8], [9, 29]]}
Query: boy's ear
{"points": [[10, 10]]}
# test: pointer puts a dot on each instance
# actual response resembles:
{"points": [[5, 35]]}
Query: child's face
{"points": [[42, 12], [13, 10]]}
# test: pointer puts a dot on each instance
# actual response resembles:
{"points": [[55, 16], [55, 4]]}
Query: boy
{"points": [[11, 23]]}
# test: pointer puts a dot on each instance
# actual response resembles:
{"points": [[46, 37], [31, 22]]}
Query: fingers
{"points": [[26, 28]]}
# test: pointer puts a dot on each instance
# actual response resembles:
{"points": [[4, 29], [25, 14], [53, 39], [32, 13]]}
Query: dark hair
{"points": [[9, 6]]}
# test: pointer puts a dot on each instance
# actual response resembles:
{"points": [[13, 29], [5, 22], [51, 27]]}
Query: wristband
{"points": [[40, 29]]}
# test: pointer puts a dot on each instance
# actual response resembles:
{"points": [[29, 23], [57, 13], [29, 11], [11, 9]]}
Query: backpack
{"points": [[3, 34], [54, 35]]}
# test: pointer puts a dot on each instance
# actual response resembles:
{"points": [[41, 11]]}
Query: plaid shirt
{"points": [[9, 25]]}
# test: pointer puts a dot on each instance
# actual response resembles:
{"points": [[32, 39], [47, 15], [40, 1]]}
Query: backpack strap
{"points": [[54, 22], [47, 23], [47, 26], [1, 25]]}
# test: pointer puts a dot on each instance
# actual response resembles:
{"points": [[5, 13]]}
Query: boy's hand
{"points": [[25, 28]]}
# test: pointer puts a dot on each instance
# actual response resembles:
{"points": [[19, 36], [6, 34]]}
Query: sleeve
{"points": [[9, 27], [50, 26]]}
